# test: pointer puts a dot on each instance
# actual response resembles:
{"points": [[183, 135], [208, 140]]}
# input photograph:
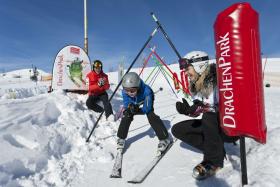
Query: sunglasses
{"points": [[130, 90]]}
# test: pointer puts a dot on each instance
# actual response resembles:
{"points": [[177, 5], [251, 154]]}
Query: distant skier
{"points": [[98, 83], [204, 134], [136, 92]]}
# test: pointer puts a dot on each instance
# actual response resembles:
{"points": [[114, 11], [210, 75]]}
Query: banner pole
{"points": [[243, 163], [85, 27]]}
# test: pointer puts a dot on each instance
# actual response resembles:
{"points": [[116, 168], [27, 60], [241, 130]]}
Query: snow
{"points": [[17, 84], [43, 140]]}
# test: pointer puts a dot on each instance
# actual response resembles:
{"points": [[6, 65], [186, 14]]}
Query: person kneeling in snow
{"points": [[204, 134], [136, 92], [98, 83]]}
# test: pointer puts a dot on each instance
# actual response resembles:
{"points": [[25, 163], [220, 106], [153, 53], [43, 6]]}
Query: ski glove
{"points": [[131, 110], [196, 109], [101, 82], [182, 107], [192, 111]]}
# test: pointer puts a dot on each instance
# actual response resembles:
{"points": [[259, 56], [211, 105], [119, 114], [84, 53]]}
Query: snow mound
{"points": [[44, 139]]}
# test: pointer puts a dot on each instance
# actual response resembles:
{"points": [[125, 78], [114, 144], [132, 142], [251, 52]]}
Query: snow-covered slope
{"points": [[42, 141], [17, 84]]}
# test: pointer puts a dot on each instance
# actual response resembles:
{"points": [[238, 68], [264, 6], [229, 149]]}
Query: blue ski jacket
{"points": [[145, 94]]}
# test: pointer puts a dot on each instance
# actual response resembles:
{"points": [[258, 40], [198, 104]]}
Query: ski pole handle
{"points": [[165, 35]]}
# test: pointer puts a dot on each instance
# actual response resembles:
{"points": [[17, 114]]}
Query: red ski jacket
{"points": [[92, 80]]}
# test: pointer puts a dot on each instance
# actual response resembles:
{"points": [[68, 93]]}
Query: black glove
{"points": [[196, 108], [198, 102], [182, 107], [131, 110], [185, 108]]}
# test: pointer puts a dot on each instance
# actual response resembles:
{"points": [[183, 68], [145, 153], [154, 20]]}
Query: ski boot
{"points": [[163, 145], [204, 170], [120, 144]]}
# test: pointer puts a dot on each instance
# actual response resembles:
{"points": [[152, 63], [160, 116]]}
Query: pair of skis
{"points": [[141, 176]]}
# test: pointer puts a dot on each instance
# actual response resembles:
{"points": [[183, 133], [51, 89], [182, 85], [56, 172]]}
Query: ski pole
{"points": [[154, 77], [165, 35], [133, 62]]}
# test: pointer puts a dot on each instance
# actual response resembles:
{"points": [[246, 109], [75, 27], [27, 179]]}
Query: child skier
{"points": [[204, 134], [136, 92]]}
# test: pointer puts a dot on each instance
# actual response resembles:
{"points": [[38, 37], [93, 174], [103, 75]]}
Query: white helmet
{"points": [[198, 59]]}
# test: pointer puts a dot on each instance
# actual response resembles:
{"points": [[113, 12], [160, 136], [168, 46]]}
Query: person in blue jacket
{"points": [[135, 93]]}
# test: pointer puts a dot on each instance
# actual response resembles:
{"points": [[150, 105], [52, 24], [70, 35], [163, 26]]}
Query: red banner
{"points": [[238, 56]]}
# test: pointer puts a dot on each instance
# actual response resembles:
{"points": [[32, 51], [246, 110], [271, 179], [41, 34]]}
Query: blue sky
{"points": [[33, 31]]}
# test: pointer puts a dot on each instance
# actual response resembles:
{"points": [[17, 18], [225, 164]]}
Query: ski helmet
{"points": [[198, 59], [97, 64], [131, 80]]}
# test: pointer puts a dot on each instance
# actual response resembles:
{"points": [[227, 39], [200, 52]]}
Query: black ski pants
{"points": [[205, 135], [154, 121], [92, 100]]}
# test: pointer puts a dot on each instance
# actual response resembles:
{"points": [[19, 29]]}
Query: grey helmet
{"points": [[131, 80]]}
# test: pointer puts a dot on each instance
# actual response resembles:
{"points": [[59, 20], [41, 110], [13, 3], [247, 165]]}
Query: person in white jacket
{"points": [[204, 134]]}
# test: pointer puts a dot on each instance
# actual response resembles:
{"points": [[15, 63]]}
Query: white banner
{"points": [[70, 68]]}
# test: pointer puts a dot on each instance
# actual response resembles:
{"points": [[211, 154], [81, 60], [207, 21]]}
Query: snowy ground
{"points": [[42, 141]]}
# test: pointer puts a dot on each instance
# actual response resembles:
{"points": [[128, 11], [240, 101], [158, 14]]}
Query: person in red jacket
{"points": [[98, 83]]}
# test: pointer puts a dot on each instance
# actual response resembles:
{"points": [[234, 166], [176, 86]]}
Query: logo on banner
{"points": [[226, 86], [74, 50], [60, 70]]}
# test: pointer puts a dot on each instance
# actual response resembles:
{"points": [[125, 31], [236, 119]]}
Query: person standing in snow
{"points": [[204, 134], [135, 93], [98, 83]]}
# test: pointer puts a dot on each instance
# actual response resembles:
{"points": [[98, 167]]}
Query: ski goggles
{"points": [[185, 63], [130, 90], [97, 65]]}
